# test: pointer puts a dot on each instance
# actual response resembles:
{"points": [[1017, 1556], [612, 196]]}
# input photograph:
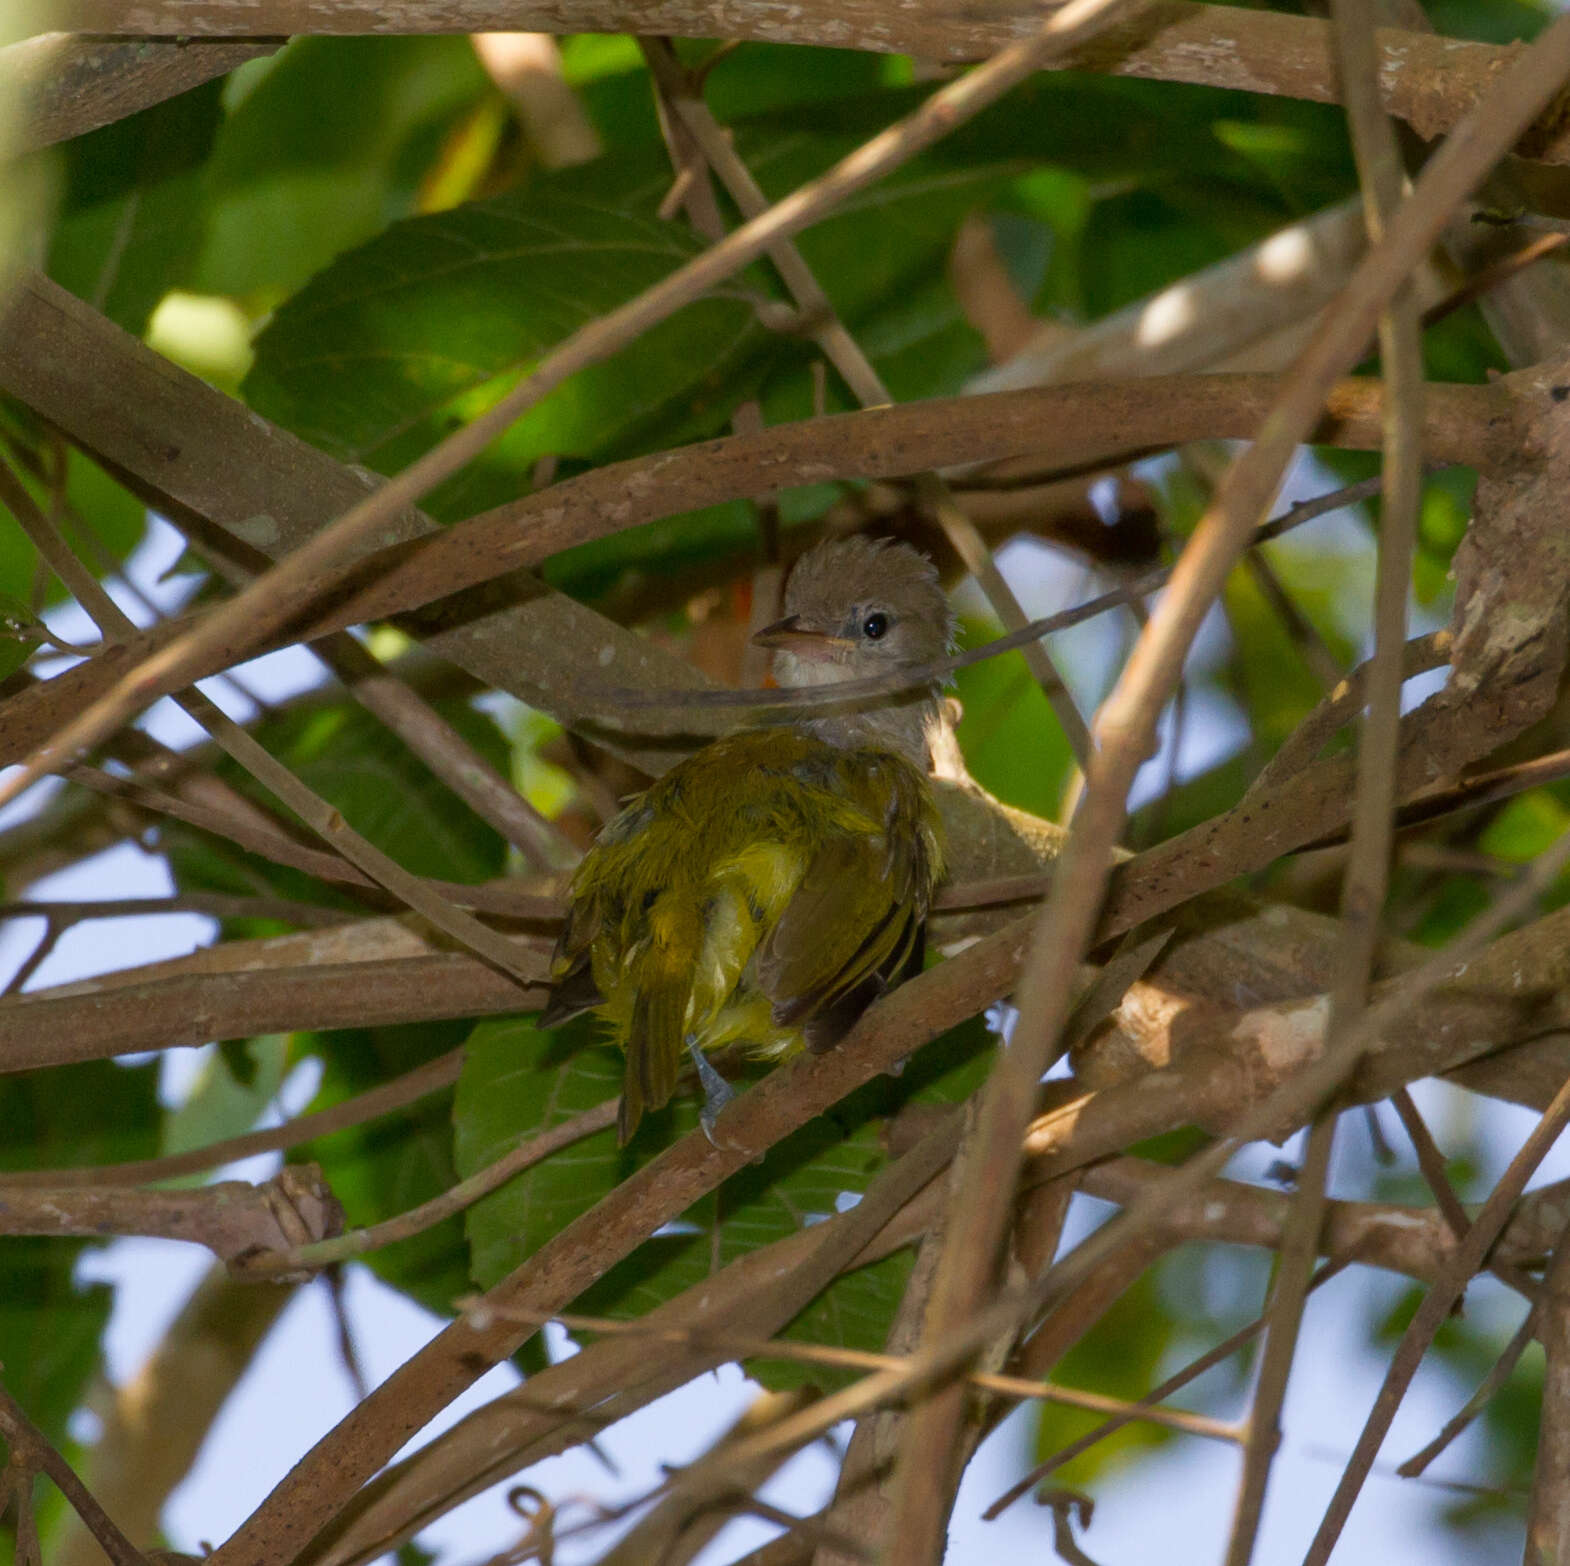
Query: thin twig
{"points": [[374, 1102], [1432, 1164], [1368, 867], [1498, 1374], [356, 1242], [28, 1443], [745, 1346], [1174, 1383], [1431, 1314], [214, 905], [275, 846], [326, 821]]}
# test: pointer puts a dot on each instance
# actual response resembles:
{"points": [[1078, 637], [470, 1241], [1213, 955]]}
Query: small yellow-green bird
{"points": [[770, 887]]}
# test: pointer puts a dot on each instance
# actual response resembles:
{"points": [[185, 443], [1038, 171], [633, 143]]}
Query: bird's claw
{"points": [[717, 1092]]}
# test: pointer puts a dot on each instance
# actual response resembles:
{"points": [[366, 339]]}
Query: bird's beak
{"points": [[793, 635]]}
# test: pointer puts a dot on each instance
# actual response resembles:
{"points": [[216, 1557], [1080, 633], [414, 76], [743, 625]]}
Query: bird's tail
{"points": [[662, 976]]}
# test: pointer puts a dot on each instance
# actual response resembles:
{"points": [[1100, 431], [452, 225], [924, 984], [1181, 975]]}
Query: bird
{"points": [[772, 885]]}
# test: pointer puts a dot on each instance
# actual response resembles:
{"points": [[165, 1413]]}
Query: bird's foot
{"points": [[717, 1092]]}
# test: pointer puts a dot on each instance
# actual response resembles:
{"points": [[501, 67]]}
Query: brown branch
{"points": [[32, 1452], [1548, 1525], [1431, 1313], [1368, 869], [105, 1020], [313, 1253], [1415, 1241], [72, 85], [232, 1218], [1426, 80]]}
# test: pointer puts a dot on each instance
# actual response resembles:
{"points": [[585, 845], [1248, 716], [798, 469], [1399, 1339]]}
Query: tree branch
{"points": [[1427, 80]]}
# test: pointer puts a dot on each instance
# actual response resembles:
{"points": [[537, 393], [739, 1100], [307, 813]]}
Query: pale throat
{"points": [[903, 722]]}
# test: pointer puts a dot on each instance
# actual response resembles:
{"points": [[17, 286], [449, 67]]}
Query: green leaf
{"points": [[49, 1327], [1008, 733], [323, 152], [134, 212], [1119, 1358], [518, 1081], [423, 329]]}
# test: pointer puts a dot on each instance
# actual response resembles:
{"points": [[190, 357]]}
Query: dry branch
{"points": [[76, 84], [232, 1218], [1426, 80], [102, 1019], [177, 1393]]}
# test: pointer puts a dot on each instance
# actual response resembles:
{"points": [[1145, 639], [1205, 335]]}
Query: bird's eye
{"points": [[875, 626]]}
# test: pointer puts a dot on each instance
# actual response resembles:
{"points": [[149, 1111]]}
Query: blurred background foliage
{"points": [[356, 236]]}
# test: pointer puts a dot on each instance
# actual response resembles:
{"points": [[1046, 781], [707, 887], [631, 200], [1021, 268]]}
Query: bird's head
{"points": [[856, 607], [862, 606]]}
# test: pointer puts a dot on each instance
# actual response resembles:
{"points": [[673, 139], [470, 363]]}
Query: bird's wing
{"points": [[847, 934], [573, 989]]}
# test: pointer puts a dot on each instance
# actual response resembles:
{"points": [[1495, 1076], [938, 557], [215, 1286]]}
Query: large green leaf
{"points": [[419, 331], [325, 145], [518, 1081]]}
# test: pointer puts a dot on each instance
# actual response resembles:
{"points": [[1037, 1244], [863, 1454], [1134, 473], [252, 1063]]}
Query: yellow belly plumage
{"points": [[762, 893]]}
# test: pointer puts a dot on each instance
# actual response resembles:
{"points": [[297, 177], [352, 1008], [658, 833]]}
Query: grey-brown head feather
{"points": [[884, 607]]}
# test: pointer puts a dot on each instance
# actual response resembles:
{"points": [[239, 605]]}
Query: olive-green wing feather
{"points": [[846, 935], [573, 989]]}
